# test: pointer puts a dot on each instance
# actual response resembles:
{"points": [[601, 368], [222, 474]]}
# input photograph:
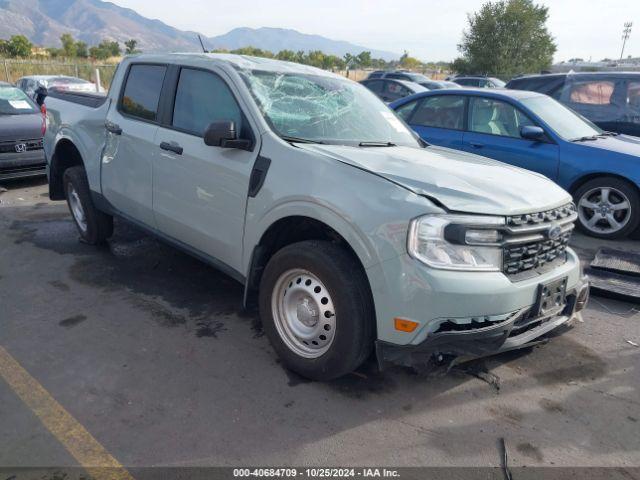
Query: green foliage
{"points": [[68, 45], [17, 46], [130, 46], [505, 38], [105, 49], [82, 50]]}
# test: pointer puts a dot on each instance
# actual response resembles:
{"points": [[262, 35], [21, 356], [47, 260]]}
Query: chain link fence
{"points": [[11, 70]]}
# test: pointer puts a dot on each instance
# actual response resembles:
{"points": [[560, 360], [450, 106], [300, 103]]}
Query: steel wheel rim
{"points": [[76, 209], [604, 210], [303, 313]]}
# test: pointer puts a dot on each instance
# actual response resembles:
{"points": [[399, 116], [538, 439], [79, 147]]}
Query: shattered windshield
{"points": [[324, 109]]}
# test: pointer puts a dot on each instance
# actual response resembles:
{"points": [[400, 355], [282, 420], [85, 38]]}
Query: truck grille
{"points": [[13, 146], [537, 241]]}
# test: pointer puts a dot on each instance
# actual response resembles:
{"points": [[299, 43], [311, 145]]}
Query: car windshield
{"points": [[325, 109], [498, 83], [565, 122], [14, 101]]}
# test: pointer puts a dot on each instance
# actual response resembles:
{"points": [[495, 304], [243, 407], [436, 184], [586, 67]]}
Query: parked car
{"points": [[390, 90], [611, 100], [21, 129], [399, 75], [439, 84], [31, 84], [533, 131], [335, 217], [478, 81]]}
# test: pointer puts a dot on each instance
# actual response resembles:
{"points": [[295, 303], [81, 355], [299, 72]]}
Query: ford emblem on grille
{"points": [[21, 147], [554, 232]]}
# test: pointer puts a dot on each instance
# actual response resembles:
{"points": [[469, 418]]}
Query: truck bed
{"points": [[93, 100]]}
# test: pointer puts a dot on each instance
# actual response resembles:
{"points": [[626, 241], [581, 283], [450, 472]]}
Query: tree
{"points": [[82, 50], [507, 37], [364, 59], [105, 50], [409, 62], [16, 46], [130, 47], [68, 45]]}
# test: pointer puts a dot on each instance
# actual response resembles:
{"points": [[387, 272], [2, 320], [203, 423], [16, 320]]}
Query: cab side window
{"points": [[496, 118], [201, 99], [633, 95], [142, 91]]}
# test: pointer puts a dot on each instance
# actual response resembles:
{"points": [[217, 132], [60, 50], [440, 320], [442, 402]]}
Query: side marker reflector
{"points": [[403, 325]]}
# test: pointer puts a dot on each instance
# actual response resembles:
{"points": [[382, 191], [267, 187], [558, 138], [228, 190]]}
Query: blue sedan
{"points": [[533, 131]]}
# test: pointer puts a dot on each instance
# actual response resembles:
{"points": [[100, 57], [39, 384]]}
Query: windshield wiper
{"points": [[585, 139], [376, 144], [609, 134], [288, 138]]}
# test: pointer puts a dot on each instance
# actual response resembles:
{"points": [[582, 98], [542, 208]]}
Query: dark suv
{"points": [[611, 100]]}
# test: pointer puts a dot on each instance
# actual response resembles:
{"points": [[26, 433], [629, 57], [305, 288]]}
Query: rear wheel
{"points": [[316, 309], [93, 225], [608, 207]]}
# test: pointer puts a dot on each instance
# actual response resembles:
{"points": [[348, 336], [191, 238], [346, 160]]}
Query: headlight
{"points": [[457, 242]]}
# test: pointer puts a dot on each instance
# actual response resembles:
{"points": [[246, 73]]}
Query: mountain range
{"points": [[44, 21]]}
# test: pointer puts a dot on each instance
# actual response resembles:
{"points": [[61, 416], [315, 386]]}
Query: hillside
{"points": [[43, 21]]}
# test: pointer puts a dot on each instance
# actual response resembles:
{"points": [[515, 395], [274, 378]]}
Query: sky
{"points": [[429, 30]]}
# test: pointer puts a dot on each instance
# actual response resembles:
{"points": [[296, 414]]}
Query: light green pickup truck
{"points": [[348, 232]]}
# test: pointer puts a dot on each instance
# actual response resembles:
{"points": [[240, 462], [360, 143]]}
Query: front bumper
{"points": [[20, 165], [519, 330]]}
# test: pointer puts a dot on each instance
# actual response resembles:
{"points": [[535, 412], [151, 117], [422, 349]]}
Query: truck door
{"points": [[131, 125], [199, 191]]}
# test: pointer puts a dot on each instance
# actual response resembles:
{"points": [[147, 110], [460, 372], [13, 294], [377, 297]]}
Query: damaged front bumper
{"points": [[521, 329]]}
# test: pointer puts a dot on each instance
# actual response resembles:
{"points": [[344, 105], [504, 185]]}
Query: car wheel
{"points": [[608, 207], [93, 225], [316, 309]]}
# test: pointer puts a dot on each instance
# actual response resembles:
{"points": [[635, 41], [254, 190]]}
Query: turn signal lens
{"points": [[403, 325]]}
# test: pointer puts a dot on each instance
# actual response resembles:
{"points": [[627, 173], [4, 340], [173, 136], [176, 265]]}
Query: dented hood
{"points": [[460, 181]]}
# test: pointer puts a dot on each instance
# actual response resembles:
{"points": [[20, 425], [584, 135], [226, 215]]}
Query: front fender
{"points": [[310, 208]]}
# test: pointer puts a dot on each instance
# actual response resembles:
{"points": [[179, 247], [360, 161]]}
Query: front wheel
{"points": [[608, 207], [316, 309]]}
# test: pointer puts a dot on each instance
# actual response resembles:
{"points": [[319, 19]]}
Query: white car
{"points": [[61, 82]]}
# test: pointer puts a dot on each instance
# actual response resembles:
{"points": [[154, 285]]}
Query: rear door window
{"points": [[598, 92], [395, 91], [142, 91], [201, 99], [444, 111], [468, 82]]}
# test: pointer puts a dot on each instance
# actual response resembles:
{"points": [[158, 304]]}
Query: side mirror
{"points": [[223, 134], [530, 132], [40, 95]]}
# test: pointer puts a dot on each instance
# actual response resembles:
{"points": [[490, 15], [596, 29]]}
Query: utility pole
{"points": [[625, 36]]}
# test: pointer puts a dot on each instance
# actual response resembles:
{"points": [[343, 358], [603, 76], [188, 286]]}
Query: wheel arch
{"points": [[285, 231], [65, 155], [577, 183]]}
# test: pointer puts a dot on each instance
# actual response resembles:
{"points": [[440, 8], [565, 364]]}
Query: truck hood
{"points": [[460, 181]]}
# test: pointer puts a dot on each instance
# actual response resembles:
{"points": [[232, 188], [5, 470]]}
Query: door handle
{"points": [[476, 145], [172, 147], [113, 128]]}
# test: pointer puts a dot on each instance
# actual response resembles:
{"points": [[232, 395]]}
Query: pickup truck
{"points": [[347, 231]]}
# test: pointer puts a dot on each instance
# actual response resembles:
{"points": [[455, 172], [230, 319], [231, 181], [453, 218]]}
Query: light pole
{"points": [[625, 36]]}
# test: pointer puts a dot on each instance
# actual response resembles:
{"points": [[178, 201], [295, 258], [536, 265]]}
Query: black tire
{"points": [[615, 184], [99, 225], [348, 287]]}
